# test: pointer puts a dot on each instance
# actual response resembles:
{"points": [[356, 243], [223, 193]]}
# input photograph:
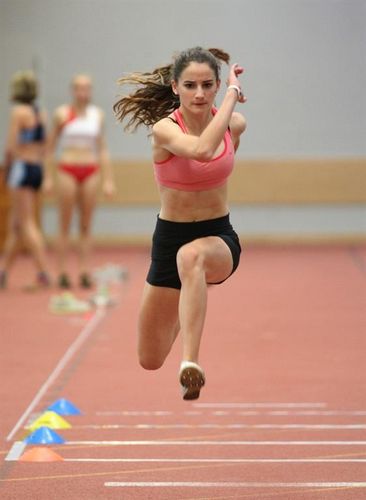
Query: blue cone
{"points": [[44, 435], [64, 407]]}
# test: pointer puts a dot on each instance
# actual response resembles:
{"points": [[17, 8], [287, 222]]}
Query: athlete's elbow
{"points": [[204, 154]]}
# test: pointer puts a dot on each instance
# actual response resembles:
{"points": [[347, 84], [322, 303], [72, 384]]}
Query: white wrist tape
{"points": [[236, 88]]}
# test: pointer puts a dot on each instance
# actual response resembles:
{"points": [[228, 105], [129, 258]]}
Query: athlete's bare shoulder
{"points": [[164, 125], [19, 110]]}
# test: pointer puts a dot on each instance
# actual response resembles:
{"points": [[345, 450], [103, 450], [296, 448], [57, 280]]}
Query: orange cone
{"points": [[40, 454]]}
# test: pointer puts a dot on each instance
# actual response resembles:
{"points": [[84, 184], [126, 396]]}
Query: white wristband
{"points": [[238, 90]]}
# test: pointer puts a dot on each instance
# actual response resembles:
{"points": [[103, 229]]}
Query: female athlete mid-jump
{"points": [[194, 244]]}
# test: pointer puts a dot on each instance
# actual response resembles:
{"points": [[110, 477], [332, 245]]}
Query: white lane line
{"points": [[225, 426], [313, 413], [74, 347], [260, 405], [197, 484], [224, 460], [218, 443], [134, 413], [15, 451], [163, 413]]}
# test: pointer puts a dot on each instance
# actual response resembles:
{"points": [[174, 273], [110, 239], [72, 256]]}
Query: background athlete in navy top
{"points": [[24, 155]]}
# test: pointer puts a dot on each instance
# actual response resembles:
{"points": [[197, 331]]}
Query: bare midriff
{"points": [[193, 206], [31, 152], [78, 156]]}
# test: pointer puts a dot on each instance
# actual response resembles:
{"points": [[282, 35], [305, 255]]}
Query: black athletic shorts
{"points": [[25, 174], [169, 236]]}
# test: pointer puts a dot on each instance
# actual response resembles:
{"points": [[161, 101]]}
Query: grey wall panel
{"points": [[305, 61]]}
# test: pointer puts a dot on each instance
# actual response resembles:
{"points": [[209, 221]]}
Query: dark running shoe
{"points": [[192, 379], [64, 281], [85, 281]]}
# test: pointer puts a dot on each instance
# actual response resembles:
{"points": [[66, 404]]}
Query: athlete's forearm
{"points": [[213, 134], [50, 152], [105, 165]]}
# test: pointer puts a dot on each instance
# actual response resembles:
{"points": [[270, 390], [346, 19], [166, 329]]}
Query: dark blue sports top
{"points": [[33, 134]]}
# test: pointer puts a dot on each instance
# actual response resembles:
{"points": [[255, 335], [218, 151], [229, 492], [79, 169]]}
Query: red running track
{"points": [[283, 415]]}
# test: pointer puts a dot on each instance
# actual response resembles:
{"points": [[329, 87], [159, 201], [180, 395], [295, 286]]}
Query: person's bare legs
{"points": [[23, 229], [87, 201], [206, 260], [67, 194], [165, 310], [12, 241], [30, 231], [158, 325]]}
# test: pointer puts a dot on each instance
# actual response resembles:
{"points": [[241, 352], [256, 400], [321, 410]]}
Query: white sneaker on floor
{"points": [[67, 303]]}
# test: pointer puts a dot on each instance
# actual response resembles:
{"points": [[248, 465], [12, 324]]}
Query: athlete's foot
{"points": [[85, 281], [3, 280], [64, 281], [192, 379]]}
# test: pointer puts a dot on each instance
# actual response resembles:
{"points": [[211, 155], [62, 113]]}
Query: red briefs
{"points": [[79, 172]]}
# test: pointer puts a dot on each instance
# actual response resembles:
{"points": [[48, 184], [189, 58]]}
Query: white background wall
{"points": [[304, 59]]}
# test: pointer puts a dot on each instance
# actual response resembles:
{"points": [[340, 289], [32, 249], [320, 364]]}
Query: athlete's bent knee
{"points": [[189, 258], [151, 364]]}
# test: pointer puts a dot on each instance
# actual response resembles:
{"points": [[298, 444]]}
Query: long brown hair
{"points": [[154, 98]]}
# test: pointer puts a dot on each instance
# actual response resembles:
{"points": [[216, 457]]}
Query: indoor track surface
{"points": [[282, 416]]}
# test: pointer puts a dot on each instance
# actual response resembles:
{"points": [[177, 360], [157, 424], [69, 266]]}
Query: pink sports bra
{"points": [[191, 175]]}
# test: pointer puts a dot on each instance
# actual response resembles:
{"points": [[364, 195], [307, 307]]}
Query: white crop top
{"points": [[81, 131]]}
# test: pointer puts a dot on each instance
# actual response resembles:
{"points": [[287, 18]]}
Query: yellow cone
{"points": [[49, 419]]}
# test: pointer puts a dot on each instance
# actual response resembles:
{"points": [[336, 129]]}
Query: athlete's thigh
{"points": [[67, 189], [67, 192], [158, 318], [217, 258], [88, 198], [23, 201]]}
